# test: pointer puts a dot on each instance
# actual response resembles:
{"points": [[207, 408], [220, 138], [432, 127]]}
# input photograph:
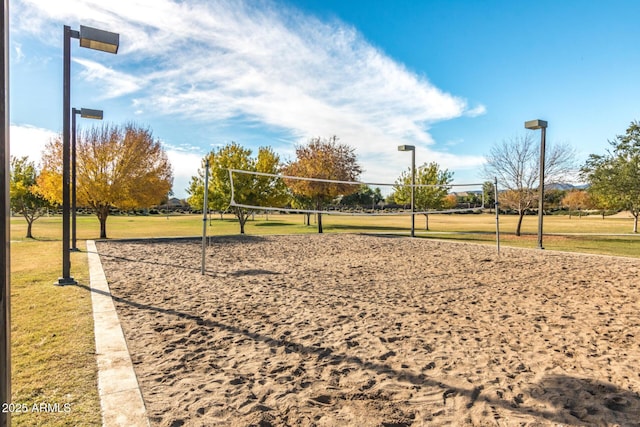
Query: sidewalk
{"points": [[120, 396]]}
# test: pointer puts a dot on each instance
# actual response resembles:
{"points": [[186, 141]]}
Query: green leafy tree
{"points": [[24, 198], [365, 197], [121, 167], [603, 203], [430, 197], [553, 198], [489, 192], [248, 189], [391, 198], [299, 201], [516, 165], [323, 159], [614, 178]]}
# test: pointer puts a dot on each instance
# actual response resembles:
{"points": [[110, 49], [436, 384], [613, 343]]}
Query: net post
{"points": [[497, 204], [205, 208]]}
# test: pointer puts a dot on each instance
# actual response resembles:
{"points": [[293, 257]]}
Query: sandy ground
{"points": [[354, 330]]}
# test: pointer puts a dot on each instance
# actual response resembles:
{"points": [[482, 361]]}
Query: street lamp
{"points": [[5, 274], [540, 124], [91, 38], [85, 113], [412, 148]]}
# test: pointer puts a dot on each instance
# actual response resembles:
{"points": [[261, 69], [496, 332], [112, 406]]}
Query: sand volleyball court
{"points": [[356, 330]]}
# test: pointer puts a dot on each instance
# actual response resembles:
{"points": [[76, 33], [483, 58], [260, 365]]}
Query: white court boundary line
{"points": [[120, 396]]}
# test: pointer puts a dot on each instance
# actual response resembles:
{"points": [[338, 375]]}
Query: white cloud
{"points": [[477, 111], [114, 83], [29, 141], [185, 165], [260, 63]]}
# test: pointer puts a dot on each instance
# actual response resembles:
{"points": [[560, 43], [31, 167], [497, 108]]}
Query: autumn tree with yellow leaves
{"points": [[120, 167], [577, 200], [323, 159]]}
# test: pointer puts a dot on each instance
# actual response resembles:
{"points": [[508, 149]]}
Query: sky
{"points": [[452, 77]]}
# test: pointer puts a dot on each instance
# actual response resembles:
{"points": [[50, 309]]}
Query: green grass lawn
{"points": [[53, 352]]}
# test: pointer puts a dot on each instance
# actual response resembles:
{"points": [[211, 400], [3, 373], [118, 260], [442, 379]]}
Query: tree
{"points": [[364, 197], [450, 201], [323, 159], [603, 203], [576, 200], [614, 178], [24, 198], [391, 198], [516, 165], [489, 193], [432, 196], [120, 167], [553, 198], [298, 201], [249, 189]]}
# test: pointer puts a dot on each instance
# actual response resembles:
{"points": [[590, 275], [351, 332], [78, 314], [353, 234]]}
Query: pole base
{"points": [[65, 281]]}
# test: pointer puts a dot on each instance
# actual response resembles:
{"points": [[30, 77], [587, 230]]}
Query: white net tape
{"points": [[288, 208]]}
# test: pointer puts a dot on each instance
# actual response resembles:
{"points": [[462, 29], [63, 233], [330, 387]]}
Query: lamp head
{"points": [[87, 113], [406, 148], [94, 38], [535, 124]]}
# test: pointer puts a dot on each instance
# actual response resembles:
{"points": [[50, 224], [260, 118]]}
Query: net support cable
{"points": [[315, 211], [335, 212]]}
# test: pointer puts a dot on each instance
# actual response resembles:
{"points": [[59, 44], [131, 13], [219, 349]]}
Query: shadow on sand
{"points": [[576, 401]]}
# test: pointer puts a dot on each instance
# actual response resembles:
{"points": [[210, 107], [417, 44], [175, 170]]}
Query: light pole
{"points": [[85, 113], [412, 148], [5, 285], [91, 38], [542, 125]]}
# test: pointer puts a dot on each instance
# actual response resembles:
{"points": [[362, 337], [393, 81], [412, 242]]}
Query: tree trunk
{"points": [[635, 222], [242, 218], [102, 212], [319, 223], [29, 224], [426, 222], [519, 226], [103, 226]]}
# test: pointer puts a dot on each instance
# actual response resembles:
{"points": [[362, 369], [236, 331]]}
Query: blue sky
{"points": [[451, 77]]}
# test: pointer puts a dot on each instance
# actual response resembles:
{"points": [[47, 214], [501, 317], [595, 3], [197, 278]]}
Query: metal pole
{"points": [[413, 193], [74, 112], [205, 208], [5, 285], [497, 204], [66, 278], [541, 200]]}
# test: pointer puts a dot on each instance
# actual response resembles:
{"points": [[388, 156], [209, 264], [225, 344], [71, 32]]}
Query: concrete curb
{"points": [[120, 396]]}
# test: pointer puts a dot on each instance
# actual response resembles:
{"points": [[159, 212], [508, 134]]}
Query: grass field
{"points": [[53, 353]]}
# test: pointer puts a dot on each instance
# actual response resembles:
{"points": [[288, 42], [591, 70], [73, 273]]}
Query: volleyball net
{"points": [[262, 191]]}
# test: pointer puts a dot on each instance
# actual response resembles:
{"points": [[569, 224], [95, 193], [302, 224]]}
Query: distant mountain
{"points": [[565, 186]]}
